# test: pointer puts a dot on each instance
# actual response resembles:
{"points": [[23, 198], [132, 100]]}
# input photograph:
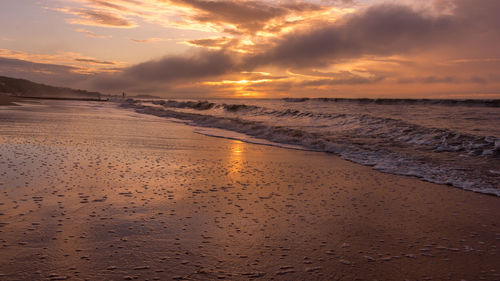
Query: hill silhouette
{"points": [[26, 88]]}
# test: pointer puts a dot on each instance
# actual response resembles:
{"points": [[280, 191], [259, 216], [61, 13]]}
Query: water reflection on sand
{"points": [[89, 191]]}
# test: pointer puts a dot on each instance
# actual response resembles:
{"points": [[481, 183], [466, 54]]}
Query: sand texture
{"points": [[6, 99], [89, 191]]}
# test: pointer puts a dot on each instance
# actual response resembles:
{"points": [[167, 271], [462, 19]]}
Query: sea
{"points": [[452, 142]]}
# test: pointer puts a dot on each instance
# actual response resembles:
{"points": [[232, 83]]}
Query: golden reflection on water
{"points": [[236, 157]]}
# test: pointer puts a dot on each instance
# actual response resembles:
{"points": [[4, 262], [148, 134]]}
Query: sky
{"points": [[256, 49]]}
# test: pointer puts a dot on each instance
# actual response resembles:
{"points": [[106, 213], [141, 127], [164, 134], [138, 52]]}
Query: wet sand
{"points": [[90, 192], [6, 99]]}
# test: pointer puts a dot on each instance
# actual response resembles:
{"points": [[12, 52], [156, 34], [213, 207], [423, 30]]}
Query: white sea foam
{"points": [[226, 134]]}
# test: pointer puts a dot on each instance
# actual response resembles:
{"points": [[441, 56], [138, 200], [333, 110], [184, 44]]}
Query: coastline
{"points": [[168, 203], [6, 99]]}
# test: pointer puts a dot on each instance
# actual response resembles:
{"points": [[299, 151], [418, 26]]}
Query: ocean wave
{"points": [[204, 105], [199, 105], [368, 126], [387, 144], [446, 102]]}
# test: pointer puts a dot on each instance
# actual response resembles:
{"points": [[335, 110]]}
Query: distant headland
{"points": [[21, 88]]}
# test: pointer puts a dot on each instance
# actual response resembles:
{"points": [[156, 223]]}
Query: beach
{"points": [[91, 191], [7, 99]]}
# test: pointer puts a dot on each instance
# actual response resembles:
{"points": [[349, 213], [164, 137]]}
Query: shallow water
{"points": [[442, 142], [92, 191]]}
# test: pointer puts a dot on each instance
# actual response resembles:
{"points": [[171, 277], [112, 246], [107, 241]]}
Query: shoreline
{"points": [[64, 98], [6, 99], [165, 202], [417, 161], [284, 146], [10, 100]]}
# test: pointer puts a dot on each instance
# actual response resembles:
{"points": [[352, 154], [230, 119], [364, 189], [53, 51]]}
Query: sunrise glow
{"points": [[191, 48]]}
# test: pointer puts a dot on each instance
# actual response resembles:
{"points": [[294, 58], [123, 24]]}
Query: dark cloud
{"points": [[92, 61], [170, 70], [54, 74], [380, 30], [351, 80], [96, 17], [429, 80], [470, 30], [108, 4], [249, 16], [222, 42], [480, 22], [478, 13], [456, 79]]}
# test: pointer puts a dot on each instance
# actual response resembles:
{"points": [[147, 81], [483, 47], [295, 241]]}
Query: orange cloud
{"points": [[245, 16], [93, 61], [100, 18], [327, 48], [148, 40], [91, 34], [75, 62], [230, 17]]}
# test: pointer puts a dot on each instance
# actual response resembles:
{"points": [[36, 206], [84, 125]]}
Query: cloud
{"points": [[173, 67], [40, 72], [379, 30], [233, 17], [216, 43], [455, 79], [246, 16], [109, 4], [429, 80], [170, 70], [148, 40], [437, 44], [91, 34], [99, 18], [73, 62], [232, 44], [92, 61], [342, 80]]}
